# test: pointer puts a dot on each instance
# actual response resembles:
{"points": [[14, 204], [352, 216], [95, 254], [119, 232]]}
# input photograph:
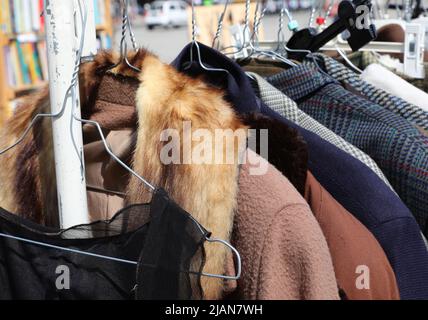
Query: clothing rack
{"points": [[412, 48], [62, 24]]}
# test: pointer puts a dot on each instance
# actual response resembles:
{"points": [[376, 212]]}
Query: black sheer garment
{"points": [[162, 246]]}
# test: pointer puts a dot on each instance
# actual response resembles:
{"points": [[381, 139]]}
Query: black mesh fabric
{"points": [[164, 239]]}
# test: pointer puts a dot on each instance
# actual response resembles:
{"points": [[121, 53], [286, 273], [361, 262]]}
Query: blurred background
{"points": [[164, 27]]}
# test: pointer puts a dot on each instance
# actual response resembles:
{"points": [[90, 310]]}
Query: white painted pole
{"points": [[90, 44], [62, 46]]}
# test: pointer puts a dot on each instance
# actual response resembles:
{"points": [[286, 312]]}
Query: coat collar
{"points": [[300, 81], [158, 98], [235, 82]]}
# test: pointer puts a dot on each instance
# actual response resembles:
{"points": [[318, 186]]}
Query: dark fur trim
{"points": [[288, 151], [27, 168]]}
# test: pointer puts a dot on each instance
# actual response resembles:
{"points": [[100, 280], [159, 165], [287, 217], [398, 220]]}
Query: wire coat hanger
{"points": [[126, 26], [293, 27], [195, 43], [244, 31], [71, 91], [269, 53], [219, 27]]}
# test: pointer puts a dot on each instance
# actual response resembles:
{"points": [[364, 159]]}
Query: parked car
{"points": [[166, 14]]}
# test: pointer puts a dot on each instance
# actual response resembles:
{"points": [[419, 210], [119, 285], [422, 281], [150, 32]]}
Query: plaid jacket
{"points": [[397, 147], [408, 111], [286, 107]]}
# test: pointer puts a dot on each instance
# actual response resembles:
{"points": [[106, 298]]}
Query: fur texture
{"points": [[164, 100], [27, 173]]}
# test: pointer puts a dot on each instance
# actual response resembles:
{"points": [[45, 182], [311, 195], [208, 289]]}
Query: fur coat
{"points": [[164, 100]]}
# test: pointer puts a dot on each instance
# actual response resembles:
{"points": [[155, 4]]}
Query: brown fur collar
{"points": [[165, 98]]}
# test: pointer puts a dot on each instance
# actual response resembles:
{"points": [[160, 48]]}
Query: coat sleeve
{"points": [[295, 260]]}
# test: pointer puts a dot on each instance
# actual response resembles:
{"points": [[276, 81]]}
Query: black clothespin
{"points": [[348, 16]]}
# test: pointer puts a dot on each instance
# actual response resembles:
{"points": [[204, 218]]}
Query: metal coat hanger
{"points": [[132, 262], [126, 26], [292, 26], [348, 62], [312, 15], [216, 40], [195, 44], [208, 239], [321, 20], [245, 43], [280, 45], [254, 39], [249, 45]]}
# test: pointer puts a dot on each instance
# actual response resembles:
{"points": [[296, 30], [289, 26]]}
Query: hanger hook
{"points": [[193, 33], [123, 49], [280, 27], [220, 27], [255, 49], [126, 26], [313, 11], [257, 22], [193, 22], [281, 37], [329, 8], [247, 15], [245, 43], [195, 44], [131, 31]]}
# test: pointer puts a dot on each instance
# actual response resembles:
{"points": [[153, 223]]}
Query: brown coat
{"points": [[156, 99], [351, 246]]}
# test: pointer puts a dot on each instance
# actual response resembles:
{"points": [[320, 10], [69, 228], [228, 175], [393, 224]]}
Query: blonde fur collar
{"points": [[164, 99]]}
